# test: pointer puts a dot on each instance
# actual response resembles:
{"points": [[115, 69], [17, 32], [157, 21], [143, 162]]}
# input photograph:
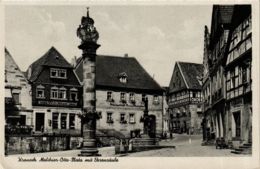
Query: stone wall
{"points": [[25, 145], [196, 119]]}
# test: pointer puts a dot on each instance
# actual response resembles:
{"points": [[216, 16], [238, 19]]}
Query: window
{"points": [[72, 121], [122, 97], [73, 94], [58, 93], [62, 73], [131, 118], [54, 73], [62, 93], [40, 91], [58, 73], [194, 94], [143, 97], [109, 96], [122, 77], [156, 99], [55, 117], [122, 118], [16, 97], [109, 117], [54, 92], [63, 121], [132, 97]]}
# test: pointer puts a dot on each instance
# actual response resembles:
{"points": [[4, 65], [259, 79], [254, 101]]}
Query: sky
{"points": [[156, 35]]}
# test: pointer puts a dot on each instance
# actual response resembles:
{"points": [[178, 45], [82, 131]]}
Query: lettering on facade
{"points": [[57, 103]]}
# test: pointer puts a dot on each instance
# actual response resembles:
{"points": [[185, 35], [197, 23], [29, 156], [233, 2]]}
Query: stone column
{"points": [[89, 36], [89, 99]]}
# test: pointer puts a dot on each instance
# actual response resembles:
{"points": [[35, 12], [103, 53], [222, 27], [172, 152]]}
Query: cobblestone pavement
{"points": [[185, 148]]}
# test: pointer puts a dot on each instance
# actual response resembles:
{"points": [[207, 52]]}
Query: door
{"points": [[39, 122], [237, 120], [23, 120], [152, 126]]}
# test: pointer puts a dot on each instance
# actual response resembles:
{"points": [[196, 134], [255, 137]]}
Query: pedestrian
{"points": [[121, 147], [171, 135], [130, 147], [31, 146]]}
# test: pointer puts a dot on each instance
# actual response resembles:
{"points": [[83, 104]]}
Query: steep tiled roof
{"points": [[226, 12], [14, 77], [108, 69], [221, 17], [51, 58], [192, 73]]}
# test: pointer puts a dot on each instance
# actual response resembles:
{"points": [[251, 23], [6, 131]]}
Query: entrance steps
{"points": [[246, 148]]}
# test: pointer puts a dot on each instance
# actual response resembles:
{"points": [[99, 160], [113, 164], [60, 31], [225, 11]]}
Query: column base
{"points": [[89, 148], [87, 152]]}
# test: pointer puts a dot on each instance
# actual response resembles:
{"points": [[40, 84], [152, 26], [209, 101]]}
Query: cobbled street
{"points": [[185, 148]]}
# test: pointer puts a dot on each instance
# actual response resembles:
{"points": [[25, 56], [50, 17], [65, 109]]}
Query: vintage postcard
{"points": [[97, 84]]}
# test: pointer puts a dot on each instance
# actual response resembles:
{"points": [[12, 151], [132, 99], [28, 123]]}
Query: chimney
{"points": [[126, 55], [74, 61]]}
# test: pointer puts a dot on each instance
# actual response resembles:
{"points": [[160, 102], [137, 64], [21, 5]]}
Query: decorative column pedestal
{"points": [[89, 133]]}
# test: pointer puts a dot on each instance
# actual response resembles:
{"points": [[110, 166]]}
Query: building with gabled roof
{"points": [[56, 95], [215, 49], [238, 80], [18, 105], [184, 97], [227, 80], [121, 86]]}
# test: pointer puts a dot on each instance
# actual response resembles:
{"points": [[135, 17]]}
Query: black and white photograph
{"points": [[104, 83]]}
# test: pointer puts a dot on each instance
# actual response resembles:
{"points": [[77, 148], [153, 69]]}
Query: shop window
{"points": [[16, 98], [55, 117], [63, 121], [72, 121], [23, 120]]}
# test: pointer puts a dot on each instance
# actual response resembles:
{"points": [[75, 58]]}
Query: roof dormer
{"points": [[122, 77]]}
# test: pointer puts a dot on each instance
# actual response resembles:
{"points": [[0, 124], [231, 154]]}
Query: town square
{"points": [[128, 81]]}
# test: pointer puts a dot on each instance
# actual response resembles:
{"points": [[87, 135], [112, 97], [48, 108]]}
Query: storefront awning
{"points": [[8, 93]]}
